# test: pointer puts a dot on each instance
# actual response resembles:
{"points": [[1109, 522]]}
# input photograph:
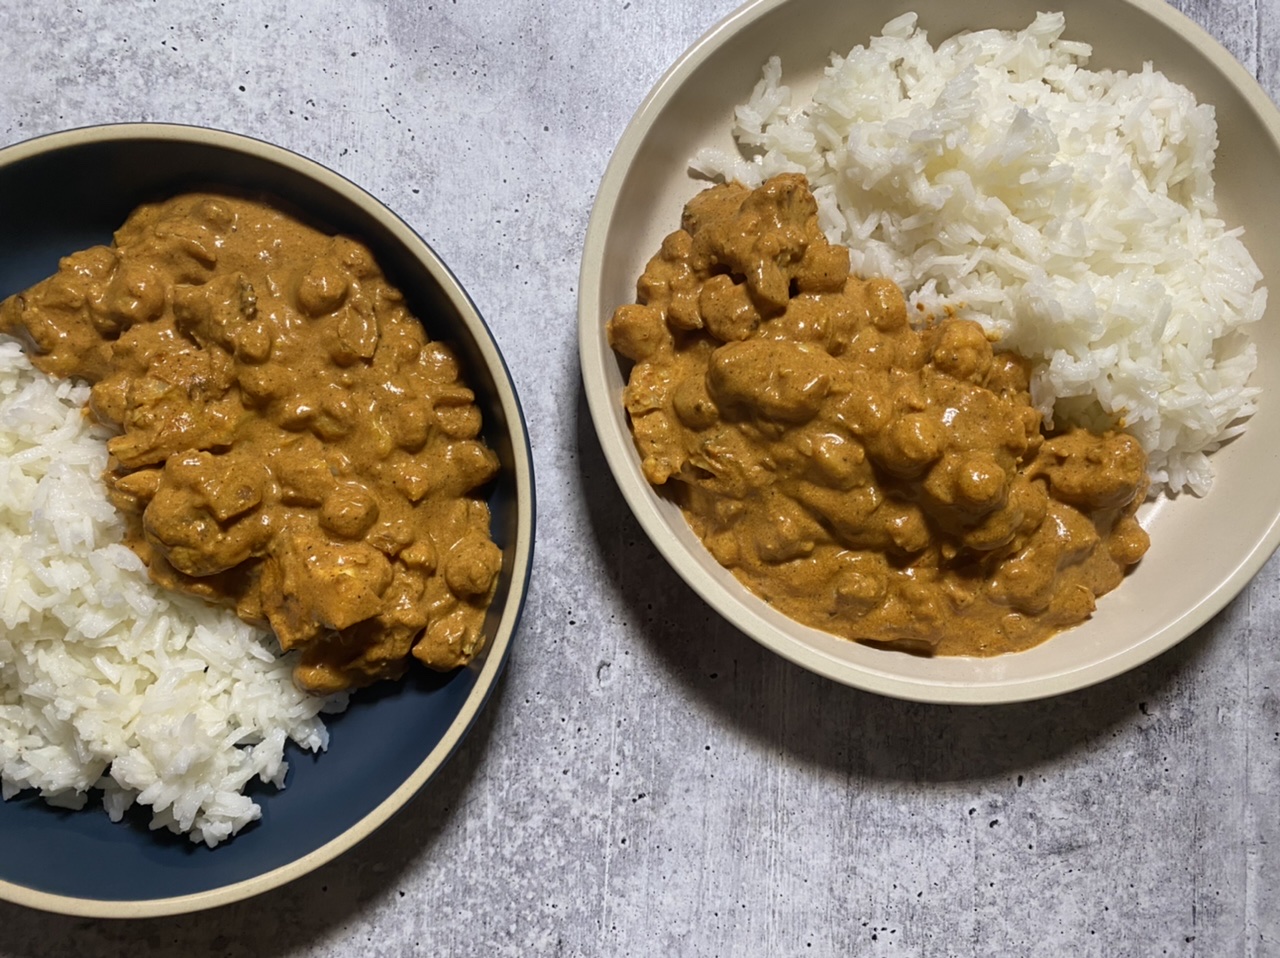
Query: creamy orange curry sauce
{"points": [[878, 482], [288, 440]]}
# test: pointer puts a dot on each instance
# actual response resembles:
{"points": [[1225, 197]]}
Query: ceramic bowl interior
{"points": [[68, 191], [1204, 550]]}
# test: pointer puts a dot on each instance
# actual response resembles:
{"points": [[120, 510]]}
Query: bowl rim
{"points": [[736, 607], [522, 547]]}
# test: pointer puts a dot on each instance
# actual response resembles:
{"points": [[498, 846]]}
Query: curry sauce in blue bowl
{"points": [[71, 191]]}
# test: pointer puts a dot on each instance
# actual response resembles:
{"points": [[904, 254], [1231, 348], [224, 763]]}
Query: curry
{"points": [[288, 441], [884, 483]]}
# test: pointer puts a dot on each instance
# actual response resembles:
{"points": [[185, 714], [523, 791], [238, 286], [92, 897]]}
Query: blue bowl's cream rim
{"points": [[522, 548], [659, 131]]}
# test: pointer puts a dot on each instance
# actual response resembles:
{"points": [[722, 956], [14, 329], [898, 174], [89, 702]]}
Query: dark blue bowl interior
{"points": [[59, 202]]}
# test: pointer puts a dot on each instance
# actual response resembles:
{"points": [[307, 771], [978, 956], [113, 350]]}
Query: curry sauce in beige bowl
{"points": [[775, 401]]}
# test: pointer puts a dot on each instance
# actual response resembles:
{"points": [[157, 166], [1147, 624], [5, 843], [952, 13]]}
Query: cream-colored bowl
{"points": [[1203, 551]]}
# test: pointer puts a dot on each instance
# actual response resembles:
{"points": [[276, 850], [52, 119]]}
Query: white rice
{"points": [[1071, 212], [108, 681]]}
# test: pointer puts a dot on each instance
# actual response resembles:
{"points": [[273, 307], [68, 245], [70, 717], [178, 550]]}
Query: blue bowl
{"points": [[67, 191]]}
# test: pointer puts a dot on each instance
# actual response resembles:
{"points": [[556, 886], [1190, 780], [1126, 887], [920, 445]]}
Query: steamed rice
{"points": [[1071, 212], [108, 681]]}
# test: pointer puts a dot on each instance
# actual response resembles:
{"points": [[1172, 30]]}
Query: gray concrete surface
{"points": [[647, 781]]}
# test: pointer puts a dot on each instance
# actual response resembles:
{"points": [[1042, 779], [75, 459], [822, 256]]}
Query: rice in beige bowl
{"points": [[1070, 211]]}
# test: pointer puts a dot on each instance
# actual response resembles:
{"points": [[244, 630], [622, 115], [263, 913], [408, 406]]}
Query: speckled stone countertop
{"points": [[646, 780]]}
